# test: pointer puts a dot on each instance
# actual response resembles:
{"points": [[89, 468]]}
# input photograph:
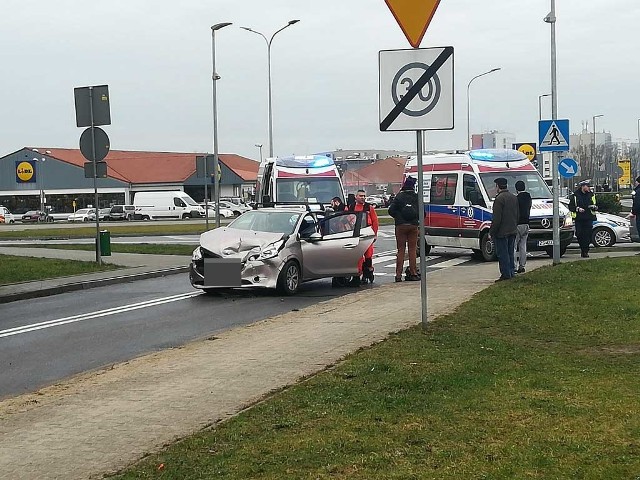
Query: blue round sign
{"points": [[568, 167]]}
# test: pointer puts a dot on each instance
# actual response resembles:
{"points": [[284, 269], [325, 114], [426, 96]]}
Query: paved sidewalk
{"points": [[100, 422]]}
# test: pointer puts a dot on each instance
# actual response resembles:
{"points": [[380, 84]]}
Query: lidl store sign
{"points": [[25, 172]]}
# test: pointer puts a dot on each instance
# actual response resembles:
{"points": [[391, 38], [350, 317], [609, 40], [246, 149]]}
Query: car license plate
{"points": [[222, 272], [545, 243]]}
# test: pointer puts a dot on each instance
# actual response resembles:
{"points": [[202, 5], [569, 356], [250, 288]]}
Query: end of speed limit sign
{"points": [[416, 89]]}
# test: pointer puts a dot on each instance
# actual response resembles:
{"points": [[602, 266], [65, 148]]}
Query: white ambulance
{"points": [[459, 190], [298, 180]]}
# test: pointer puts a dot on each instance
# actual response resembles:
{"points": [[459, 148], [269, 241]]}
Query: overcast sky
{"points": [[155, 55]]}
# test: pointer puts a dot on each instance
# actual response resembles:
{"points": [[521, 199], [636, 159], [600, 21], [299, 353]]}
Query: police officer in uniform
{"points": [[583, 210]]}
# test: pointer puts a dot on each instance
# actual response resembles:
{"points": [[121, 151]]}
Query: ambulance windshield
{"points": [[533, 183], [307, 189]]}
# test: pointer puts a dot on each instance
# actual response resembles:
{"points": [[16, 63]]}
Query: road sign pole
{"points": [[551, 19], [421, 234], [95, 179], [206, 196]]}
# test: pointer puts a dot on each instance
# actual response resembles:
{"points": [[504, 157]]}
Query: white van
{"points": [[165, 204], [6, 216], [459, 191]]}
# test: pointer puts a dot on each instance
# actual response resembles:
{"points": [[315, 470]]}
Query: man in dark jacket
{"points": [[635, 208], [583, 210], [524, 211], [504, 226], [404, 210]]}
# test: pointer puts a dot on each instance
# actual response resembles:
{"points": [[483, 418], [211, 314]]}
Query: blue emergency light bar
{"points": [[497, 155], [309, 161]]}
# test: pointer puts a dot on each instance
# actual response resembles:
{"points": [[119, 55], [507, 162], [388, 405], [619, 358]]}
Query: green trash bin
{"points": [[105, 243]]}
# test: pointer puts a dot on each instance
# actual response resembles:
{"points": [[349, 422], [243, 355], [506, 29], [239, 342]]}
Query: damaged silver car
{"points": [[280, 248]]}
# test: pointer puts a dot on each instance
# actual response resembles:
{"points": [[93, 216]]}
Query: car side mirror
{"points": [[314, 237]]}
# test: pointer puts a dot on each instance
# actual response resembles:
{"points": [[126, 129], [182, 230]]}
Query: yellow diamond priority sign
{"points": [[413, 16]]}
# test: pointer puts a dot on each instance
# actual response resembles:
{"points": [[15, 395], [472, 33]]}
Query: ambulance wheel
{"points": [[487, 248], [549, 250], [427, 248]]}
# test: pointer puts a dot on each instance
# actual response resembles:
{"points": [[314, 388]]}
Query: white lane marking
{"points": [[378, 260], [450, 263], [100, 313]]}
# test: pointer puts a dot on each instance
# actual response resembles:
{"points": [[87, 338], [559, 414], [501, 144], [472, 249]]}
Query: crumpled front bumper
{"points": [[254, 274]]}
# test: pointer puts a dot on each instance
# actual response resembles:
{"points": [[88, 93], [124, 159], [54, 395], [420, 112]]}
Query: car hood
{"points": [[609, 217], [230, 242]]}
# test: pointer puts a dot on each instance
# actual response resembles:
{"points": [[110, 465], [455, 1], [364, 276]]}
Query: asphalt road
{"points": [[47, 339]]}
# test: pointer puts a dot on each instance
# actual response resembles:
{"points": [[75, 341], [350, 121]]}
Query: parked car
{"points": [[376, 200], [279, 248], [224, 212], [81, 215], [103, 214], [36, 216], [236, 208], [608, 229], [122, 212], [6, 216]]}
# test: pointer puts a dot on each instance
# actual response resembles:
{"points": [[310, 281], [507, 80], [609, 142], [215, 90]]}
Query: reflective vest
{"points": [[593, 201]]}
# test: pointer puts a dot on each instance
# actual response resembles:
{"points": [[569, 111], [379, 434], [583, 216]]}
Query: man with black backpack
{"points": [[404, 210]]}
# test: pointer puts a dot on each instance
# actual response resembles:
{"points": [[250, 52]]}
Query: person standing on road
{"points": [[583, 210], [365, 265], [522, 234], [504, 226], [635, 208], [404, 210]]}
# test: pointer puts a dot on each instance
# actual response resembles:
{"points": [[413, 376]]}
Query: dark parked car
{"points": [[36, 216]]}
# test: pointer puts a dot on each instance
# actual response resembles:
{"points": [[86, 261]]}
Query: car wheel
{"points": [[289, 278], [236, 213], [487, 248], [146, 217], [602, 237], [340, 282]]}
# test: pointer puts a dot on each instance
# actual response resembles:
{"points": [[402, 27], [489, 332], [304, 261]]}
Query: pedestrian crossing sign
{"points": [[553, 135]]}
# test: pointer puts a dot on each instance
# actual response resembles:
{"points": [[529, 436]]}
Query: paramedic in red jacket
{"points": [[365, 265]]}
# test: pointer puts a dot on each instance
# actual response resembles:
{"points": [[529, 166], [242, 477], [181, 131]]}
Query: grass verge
{"points": [[15, 269], [532, 378]]}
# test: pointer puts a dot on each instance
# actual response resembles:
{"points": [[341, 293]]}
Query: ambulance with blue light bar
{"points": [[459, 191], [309, 179]]}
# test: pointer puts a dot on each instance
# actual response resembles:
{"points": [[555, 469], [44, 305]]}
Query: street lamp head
{"points": [[291, 22], [495, 69], [259, 145], [248, 29], [218, 26]]}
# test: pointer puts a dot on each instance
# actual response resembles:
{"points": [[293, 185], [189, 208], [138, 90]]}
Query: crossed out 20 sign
{"points": [[416, 89]]}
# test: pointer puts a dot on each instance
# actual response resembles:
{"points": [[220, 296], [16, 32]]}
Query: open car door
{"points": [[337, 245]]}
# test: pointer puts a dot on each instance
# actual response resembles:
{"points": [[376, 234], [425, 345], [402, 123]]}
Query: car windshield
{"points": [[534, 184], [262, 221], [308, 189]]}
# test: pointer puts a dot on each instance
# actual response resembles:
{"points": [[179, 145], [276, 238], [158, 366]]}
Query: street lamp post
{"points": [[469, 104], [540, 104], [214, 78], [637, 156], [596, 167], [268, 41], [40, 177]]}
